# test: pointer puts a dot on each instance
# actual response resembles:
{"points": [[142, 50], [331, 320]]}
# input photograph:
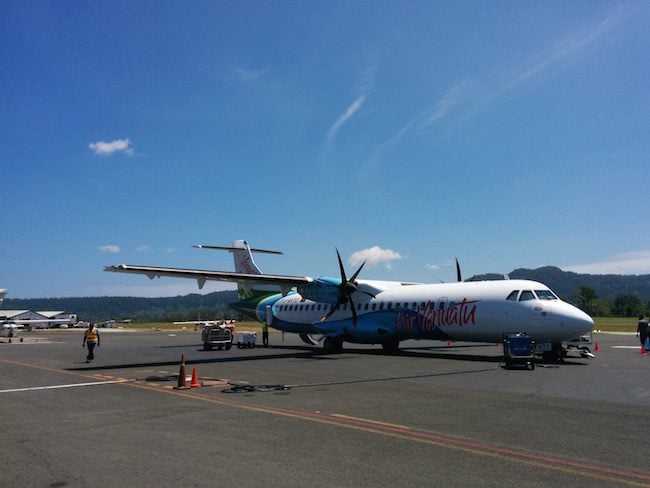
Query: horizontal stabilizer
{"points": [[230, 248]]}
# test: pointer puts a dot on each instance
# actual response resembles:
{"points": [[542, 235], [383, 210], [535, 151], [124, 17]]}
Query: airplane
{"points": [[387, 312], [10, 330], [3, 293]]}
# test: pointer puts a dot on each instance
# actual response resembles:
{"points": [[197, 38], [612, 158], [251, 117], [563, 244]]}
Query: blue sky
{"points": [[509, 134]]}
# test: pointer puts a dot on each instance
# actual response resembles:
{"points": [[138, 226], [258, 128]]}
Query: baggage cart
{"points": [[519, 349], [246, 339]]}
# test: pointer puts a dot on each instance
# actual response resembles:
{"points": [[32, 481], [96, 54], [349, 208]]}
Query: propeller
{"points": [[346, 289], [458, 275]]}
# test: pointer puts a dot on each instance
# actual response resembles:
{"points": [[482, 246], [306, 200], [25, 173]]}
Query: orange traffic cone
{"points": [[195, 380], [642, 350], [596, 347], [182, 381]]}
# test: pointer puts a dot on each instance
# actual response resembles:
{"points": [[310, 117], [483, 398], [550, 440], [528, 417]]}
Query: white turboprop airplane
{"points": [[387, 312]]}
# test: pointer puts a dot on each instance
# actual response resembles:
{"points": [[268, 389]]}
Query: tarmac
{"points": [[291, 416]]}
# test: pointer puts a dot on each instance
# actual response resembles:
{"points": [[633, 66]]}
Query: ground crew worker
{"points": [[91, 339], [642, 329], [265, 334]]}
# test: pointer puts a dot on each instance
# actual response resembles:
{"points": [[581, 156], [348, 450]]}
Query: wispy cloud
{"points": [[103, 148], [466, 98], [110, 248], [249, 75], [374, 256], [343, 118], [143, 248], [637, 262]]}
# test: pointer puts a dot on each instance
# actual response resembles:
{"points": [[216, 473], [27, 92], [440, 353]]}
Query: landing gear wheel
{"points": [[391, 345], [207, 346], [333, 345]]}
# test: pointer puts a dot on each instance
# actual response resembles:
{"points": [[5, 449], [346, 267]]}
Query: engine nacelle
{"points": [[325, 290]]}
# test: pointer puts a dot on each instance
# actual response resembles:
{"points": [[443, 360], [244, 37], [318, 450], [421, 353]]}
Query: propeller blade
{"points": [[354, 276], [330, 313], [368, 293], [458, 275], [354, 313], [343, 278]]}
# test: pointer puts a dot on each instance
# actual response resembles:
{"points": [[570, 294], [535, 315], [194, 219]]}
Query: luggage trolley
{"points": [[518, 349]]}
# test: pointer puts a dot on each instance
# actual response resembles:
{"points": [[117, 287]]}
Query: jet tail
{"points": [[244, 263]]}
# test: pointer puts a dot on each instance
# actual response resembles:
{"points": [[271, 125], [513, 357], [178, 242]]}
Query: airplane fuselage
{"points": [[468, 311]]}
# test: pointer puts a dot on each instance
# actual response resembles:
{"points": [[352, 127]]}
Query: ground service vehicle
{"points": [[519, 349], [218, 336]]}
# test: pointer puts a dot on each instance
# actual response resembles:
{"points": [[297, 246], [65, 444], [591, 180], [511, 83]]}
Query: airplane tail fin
{"points": [[244, 263]]}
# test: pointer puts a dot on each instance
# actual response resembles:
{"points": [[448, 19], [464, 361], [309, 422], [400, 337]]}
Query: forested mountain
{"points": [[188, 307], [596, 294], [567, 283]]}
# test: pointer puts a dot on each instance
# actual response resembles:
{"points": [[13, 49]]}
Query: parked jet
{"points": [[387, 312]]}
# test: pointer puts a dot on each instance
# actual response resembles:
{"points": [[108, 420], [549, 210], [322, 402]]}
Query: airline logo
{"points": [[429, 317]]}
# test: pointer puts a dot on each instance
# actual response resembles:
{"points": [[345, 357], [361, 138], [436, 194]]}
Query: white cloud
{"points": [[374, 256], [350, 111], [637, 262], [466, 98], [110, 248], [143, 248], [250, 75], [103, 148], [432, 267]]}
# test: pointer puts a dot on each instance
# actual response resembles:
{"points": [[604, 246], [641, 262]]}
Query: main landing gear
{"points": [[555, 355], [333, 345]]}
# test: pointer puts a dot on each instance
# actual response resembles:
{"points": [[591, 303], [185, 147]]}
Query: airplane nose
{"points": [[578, 320]]}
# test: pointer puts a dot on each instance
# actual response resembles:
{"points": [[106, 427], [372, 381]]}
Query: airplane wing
{"points": [[201, 276]]}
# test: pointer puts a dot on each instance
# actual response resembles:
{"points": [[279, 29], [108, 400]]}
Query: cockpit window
{"points": [[526, 295], [545, 295], [513, 295]]}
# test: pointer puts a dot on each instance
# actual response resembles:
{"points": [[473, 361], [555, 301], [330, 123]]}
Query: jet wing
{"points": [[201, 276]]}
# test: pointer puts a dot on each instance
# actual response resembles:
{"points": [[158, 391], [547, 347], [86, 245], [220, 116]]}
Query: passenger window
{"points": [[526, 295], [374, 306], [365, 307], [381, 305], [359, 306], [389, 306], [513, 295], [441, 306], [415, 305]]}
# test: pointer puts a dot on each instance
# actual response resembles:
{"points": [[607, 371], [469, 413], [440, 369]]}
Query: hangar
{"points": [[40, 319]]}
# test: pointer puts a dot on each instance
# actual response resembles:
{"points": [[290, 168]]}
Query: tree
{"points": [[585, 298], [627, 306]]}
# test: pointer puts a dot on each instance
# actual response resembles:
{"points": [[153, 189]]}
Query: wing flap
{"points": [[203, 275]]}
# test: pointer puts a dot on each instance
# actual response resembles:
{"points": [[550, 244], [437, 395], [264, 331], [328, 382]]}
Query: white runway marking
{"points": [[74, 385], [627, 347]]}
